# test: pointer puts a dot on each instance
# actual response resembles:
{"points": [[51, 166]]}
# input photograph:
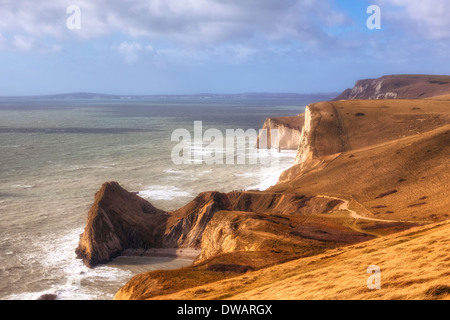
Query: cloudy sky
{"points": [[215, 46]]}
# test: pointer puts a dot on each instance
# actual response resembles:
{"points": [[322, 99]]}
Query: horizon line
{"points": [[82, 94]]}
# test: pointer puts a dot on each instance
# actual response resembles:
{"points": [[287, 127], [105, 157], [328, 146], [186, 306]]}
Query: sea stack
{"points": [[119, 220]]}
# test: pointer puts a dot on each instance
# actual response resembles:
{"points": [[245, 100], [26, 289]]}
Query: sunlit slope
{"points": [[414, 264], [390, 160]]}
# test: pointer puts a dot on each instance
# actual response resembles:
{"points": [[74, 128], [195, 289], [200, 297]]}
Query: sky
{"points": [[215, 46]]}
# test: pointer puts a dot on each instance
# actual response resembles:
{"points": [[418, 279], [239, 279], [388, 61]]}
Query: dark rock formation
{"points": [[48, 296], [119, 220]]}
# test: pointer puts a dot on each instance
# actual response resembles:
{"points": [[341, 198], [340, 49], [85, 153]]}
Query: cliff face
{"points": [[210, 220], [323, 133], [338, 126], [398, 87], [257, 221], [306, 150], [119, 220], [186, 225], [286, 135]]}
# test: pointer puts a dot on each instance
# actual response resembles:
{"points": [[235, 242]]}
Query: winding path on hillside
{"points": [[345, 207]]}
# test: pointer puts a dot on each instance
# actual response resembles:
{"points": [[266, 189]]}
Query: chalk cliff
{"points": [[323, 133], [334, 127], [398, 87], [281, 133]]}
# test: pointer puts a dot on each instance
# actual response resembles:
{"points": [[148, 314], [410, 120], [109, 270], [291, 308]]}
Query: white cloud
{"points": [[133, 50], [130, 51], [426, 18], [2, 41], [200, 30], [34, 18], [189, 21], [22, 43]]}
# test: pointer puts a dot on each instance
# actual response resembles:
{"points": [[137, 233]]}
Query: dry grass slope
{"points": [[415, 264], [394, 162]]}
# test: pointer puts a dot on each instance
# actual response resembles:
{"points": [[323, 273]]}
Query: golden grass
{"points": [[415, 264], [416, 167], [442, 97]]}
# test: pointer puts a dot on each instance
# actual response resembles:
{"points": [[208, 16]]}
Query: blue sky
{"points": [[215, 46]]}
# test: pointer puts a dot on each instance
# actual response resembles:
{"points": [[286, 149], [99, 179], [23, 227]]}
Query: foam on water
{"points": [[159, 192], [269, 176], [173, 171], [23, 186], [268, 180], [66, 276]]}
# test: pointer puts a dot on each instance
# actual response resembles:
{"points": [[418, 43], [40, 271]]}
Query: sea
{"points": [[56, 152]]}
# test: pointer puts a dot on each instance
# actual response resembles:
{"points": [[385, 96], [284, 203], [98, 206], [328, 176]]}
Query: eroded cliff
{"points": [[338, 126], [281, 133], [119, 220], [186, 225], [323, 133], [398, 87]]}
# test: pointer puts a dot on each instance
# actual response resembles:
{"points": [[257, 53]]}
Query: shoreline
{"points": [[180, 253]]}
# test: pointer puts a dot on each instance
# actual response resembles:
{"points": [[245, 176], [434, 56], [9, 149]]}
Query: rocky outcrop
{"points": [[281, 133], [119, 220], [322, 134], [258, 221], [398, 87], [186, 225]]}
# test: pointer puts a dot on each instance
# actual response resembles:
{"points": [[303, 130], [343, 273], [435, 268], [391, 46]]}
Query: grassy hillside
{"points": [[415, 264]]}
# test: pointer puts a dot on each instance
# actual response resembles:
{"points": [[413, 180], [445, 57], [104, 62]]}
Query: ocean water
{"points": [[55, 154]]}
